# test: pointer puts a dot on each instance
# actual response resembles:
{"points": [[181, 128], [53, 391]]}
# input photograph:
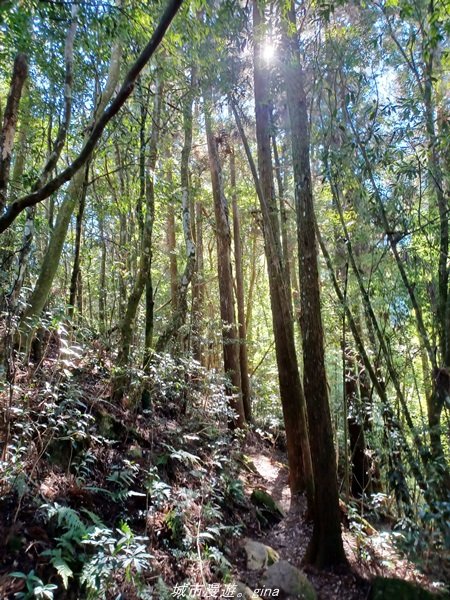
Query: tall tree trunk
{"points": [[120, 382], [180, 314], [125, 274], [198, 288], [291, 391], [223, 239], [243, 357], [148, 226], [282, 203], [171, 240], [326, 547], [252, 282], [102, 279]]}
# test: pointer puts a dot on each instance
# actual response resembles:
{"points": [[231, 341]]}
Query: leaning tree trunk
{"points": [[230, 341], [52, 257], [326, 547], [55, 150]]}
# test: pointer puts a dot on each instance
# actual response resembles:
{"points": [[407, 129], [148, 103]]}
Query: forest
{"points": [[224, 299]]}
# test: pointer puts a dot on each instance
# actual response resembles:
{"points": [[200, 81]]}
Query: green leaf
{"points": [[63, 569]]}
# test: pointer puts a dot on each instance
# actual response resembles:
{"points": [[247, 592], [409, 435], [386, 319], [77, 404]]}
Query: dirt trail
{"points": [[367, 555], [275, 475], [290, 537]]}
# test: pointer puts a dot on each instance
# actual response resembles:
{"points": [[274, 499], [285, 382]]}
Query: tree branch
{"points": [[123, 94]]}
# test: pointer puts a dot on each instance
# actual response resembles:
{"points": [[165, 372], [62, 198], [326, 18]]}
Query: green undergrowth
{"points": [[106, 501]]}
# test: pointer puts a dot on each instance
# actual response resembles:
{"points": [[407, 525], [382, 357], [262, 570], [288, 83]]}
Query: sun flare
{"points": [[268, 52]]}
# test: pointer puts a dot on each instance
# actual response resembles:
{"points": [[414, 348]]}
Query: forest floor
{"points": [[370, 553], [80, 475]]}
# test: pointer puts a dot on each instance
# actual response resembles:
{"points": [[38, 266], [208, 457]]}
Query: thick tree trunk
{"points": [[326, 547], [243, 357], [223, 239], [291, 391]]}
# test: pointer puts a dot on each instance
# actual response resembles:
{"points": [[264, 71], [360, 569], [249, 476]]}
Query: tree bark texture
{"points": [[230, 340], [243, 355], [326, 547], [291, 391]]}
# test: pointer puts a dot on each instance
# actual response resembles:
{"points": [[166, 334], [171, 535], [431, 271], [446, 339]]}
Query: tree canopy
{"points": [[229, 217]]}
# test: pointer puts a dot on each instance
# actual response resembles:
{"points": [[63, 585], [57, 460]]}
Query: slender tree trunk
{"points": [[376, 327], [223, 239], [76, 269], [252, 282], [440, 395], [102, 279], [282, 203], [243, 357], [326, 547], [126, 326], [198, 289], [126, 258], [171, 240], [437, 400], [148, 227], [23, 135], [179, 316], [379, 385], [171, 249]]}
